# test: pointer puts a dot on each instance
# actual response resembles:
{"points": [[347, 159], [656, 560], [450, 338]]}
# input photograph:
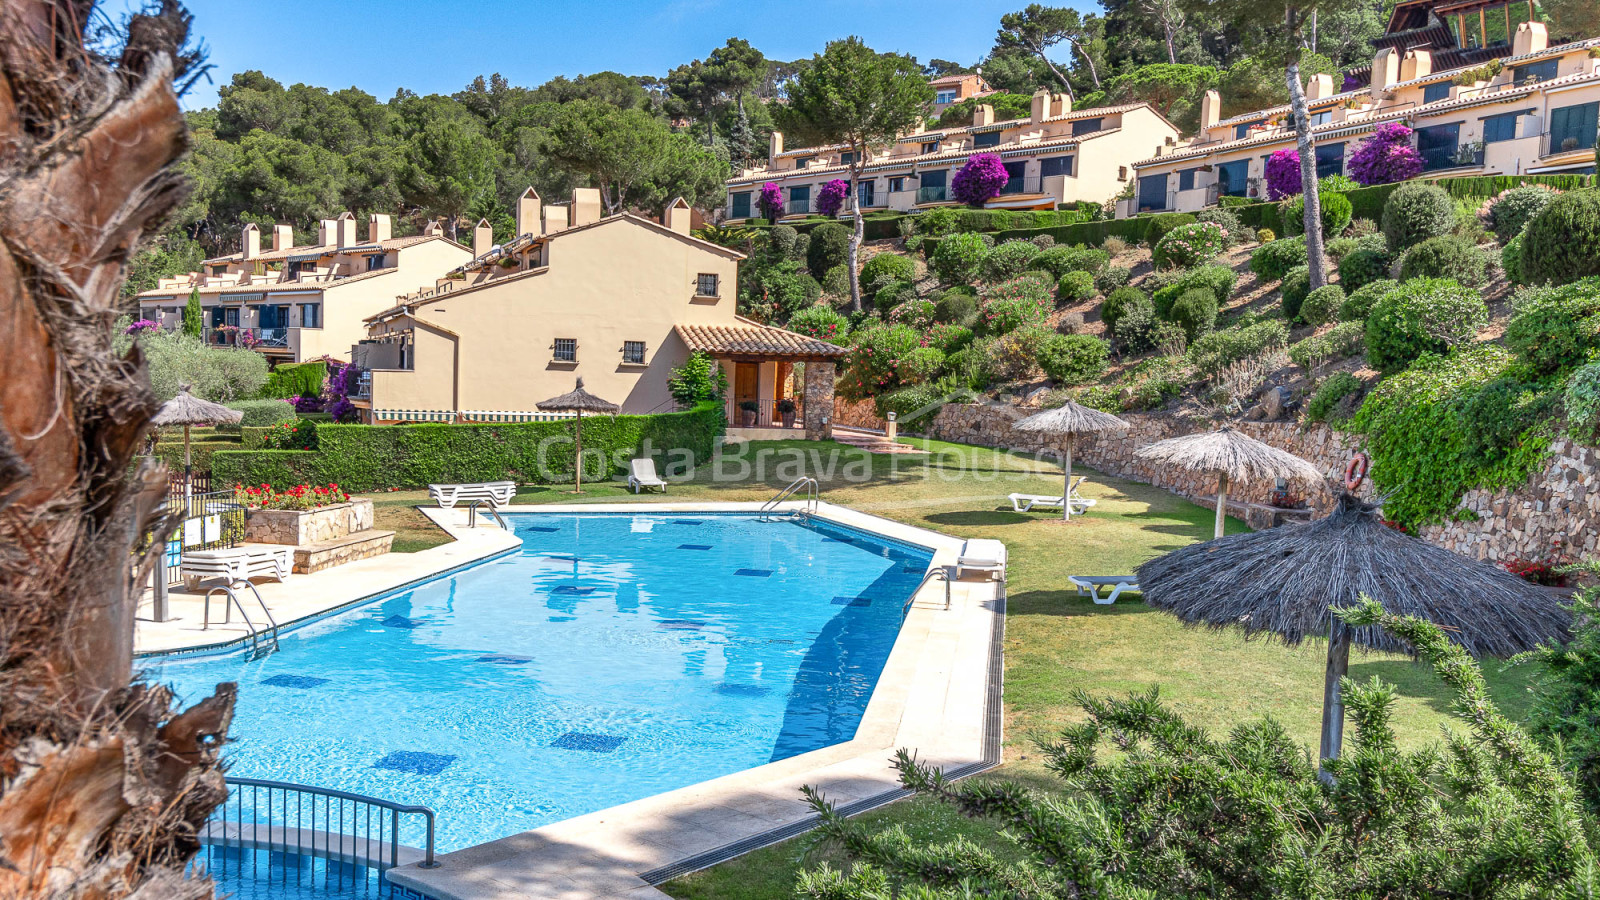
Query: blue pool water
{"points": [[611, 658]]}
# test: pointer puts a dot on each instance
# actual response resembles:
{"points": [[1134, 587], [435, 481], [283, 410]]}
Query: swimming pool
{"points": [[614, 656]]}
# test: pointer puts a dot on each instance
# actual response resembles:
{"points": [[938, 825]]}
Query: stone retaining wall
{"points": [[311, 526], [1554, 514], [860, 414]]}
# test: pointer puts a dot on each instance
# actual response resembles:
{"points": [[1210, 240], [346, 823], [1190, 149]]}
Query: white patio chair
{"points": [[642, 475]]}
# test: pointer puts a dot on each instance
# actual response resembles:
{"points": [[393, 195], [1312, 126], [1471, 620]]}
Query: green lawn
{"points": [[1055, 642]]}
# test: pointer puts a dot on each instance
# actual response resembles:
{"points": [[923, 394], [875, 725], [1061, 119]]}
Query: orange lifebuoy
{"points": [[1356, 472]]}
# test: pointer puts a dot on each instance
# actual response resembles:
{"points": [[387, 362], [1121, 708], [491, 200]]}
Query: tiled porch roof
{"points": [[747, 338]]}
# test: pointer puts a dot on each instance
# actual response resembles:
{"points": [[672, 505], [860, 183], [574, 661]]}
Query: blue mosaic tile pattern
{"points": [[294, 681], [694, 546], [403, 622], [415, 762], [505, 660], [742, 690], [593, 743], [852, 601], [755, 573]]}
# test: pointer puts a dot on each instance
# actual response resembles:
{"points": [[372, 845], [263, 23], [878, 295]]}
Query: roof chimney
{"points": [[1531, 37], [1061, 104], [585, 205], [557, 217], [1416, 64], [327, 232], [528, 213], [1319, 86], [678, 216], [250, 242], [378, 228], [774, 147], [482, 238], [282, 237], [347, 229], [1041, 106], [1210, 110], [1385, 71], [433, 229], [983, 115]]}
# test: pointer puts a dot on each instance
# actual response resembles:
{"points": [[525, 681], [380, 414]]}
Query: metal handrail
{"points": [[804, 482], [227, 613], [943, 572], [472, 514], [304, 822]]}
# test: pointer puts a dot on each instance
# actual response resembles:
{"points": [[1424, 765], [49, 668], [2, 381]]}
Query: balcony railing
{"points": [[797, 207], [766, 414], [1023, 184], [932, 194], [1458, 157], [248, 338], [1553, 142], [363, 389]]}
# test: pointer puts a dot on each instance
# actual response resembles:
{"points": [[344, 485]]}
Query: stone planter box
{"points": [[312, 526]]}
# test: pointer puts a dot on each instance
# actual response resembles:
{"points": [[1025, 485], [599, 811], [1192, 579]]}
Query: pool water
{"points": [[244, 874], [613, 657]]}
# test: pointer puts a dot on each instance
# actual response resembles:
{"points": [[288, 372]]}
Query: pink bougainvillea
{"points": [[770, 202], [981, 179], [831, 197], [1386, 156], [141, 326], [1283, 174]]}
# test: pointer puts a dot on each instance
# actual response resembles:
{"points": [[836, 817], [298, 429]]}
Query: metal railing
{"points": [[235, 603], [339, 826], [803, 483], [947, 573], [363, 389], [207, 520], [1552, 142], [472, 515], [1023, 184], [1459, 156], [249, 338], [932, 194], [796, 207], [768, 413]]}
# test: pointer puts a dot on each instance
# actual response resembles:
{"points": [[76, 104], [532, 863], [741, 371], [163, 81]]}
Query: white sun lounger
{"points": [[498, 493], [233, 564], [642, 475], [982, 555], [1026, 502], [1090, 585]]}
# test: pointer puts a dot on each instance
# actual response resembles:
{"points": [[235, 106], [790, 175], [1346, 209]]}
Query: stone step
{"points": [[360, 545]]}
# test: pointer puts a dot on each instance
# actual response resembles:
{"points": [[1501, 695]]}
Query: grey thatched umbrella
{"points": [[1283, 581], [1068, 421], [1233, 457], [187, 410], [579, 401]]}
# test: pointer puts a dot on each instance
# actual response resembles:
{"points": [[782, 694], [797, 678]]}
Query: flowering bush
{"points": [[287, 436], [873, 365], [1013, 304], [141, 326], [1536, 572], [1283, 174], [915, 312], [831, 197], [303, 496], [306, 404], [1385, 156], [342, 381], [948, 338], [819, 322], [981, 179], [770, 200], [1190, 245]]}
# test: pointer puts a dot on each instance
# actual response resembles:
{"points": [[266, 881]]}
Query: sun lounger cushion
{"points": [[982, 554]]}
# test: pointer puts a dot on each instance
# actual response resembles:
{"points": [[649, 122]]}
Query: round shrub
{"points": [[873, 365], [1282, 172], [959, 258], [1059, 260], [1211, 353], [1043, 241], [830, 246], [790, 291], [949, 338], [1368, 262], [1272, 261], [1195, 311], [1512, 209], [1161, 223], [920, 365], [1556, 327], [1074, 287], [893, 294], [910, 403], [1296, 287], [1511, 260], [261, 413], [1112, 278], [819, 322], [1562, 243], [1415, 212], [1322, 305], [889, 266], [916, 313], [1072, 358], [938, 222], [1136, 327], [836, 282], [1120, 301], [1226, 219], [781, 239], [1009, 260], [1219, 280], [1328, 403], [1358, 304], [1015, 355], [1336, 211], [1014, 304], [1265, 236], [955, 306], [1445, 256], [1426, 315], [1190, 245]]}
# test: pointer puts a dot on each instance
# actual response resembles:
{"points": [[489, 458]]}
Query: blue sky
{"points": [[437, 47]]}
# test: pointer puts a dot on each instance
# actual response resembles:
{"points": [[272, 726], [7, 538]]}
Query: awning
{"points": [[752, 340]]}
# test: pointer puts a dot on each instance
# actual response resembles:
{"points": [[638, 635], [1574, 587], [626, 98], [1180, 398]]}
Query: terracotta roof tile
{"points": [[745, 337]]}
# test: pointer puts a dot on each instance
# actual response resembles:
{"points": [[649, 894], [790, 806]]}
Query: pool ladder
{"points": [[235, 603], [804, 483], [472, 515], [946, 573]]}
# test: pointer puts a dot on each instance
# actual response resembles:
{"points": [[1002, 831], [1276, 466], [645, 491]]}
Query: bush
{"points": [[295, 380], [1296, 287], [781, 239], [1415, 212], [949, 338], [1195, 312], [789, 290], [909, 404], [1136, 327], [1119, 302], [1556, 328], [1358, 304], [1226, 219], [1265, 236], [914, 312], [1074, 287], [836, 282], [1059, 260], [1361, 267], [920, 365], [1336, 212], [819, 322], [1511, 260], [1162, 223], [1385, 156], [892, 295], [1322, 305], [219, 374], [1015, 355], [1328, 403], [959, 258], [938, 222], [831, 196], [1445, 256], [830, 246], [1426, 315], [1013, 304], [955, 306], [874, 361], [1512, 209], [1337, 343], [1190, 245], [1219, 280], [1008, 260], [888, 266], [1282, 171], [1112, 278], [1211, 353], [1043, 241], [1271, 261], [981, 179], [1114, 245], [1562, 243], [1582, 402], [260, 413], [1072, 358]]}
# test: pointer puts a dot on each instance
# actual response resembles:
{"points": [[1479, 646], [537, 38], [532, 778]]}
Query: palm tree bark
{"points": [[105, 784]]}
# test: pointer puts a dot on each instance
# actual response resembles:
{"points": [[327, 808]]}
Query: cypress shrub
{"points": [[1296, 287], [890, 266], [1415, 212], [1445, 256], [1119, 302], [1336, 212], [829, 247], [1195, 312]]}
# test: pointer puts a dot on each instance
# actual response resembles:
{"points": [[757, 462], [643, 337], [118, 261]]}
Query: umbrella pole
{"points": [[188, 472], [1332, 696], [579, 467], [1066, 487], [1222, 504]]}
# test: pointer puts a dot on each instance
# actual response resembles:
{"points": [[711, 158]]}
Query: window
{"points": [[1321, 117], [1122, 173], [311, 315], [740, 207], [705, 285], [375, 261], [930, 146], [986, 139], [219, 270], [1544, 70], [1084, 126], [1573, 127], [1056, 165], [1435, 92], [1500, 128], [1330, 159], [799, 200], [864, 193], [944, 97], [566, 350], [1152, 192], [1015, 180], [1186, 179], [802, 162], [846, 159], [897, 184], [1437, 145], [633, 352], [1242, 130], [1234, 178], [931, 186]]}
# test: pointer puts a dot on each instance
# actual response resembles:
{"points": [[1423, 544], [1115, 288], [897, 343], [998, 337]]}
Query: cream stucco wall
{"points": [[345, 307]]}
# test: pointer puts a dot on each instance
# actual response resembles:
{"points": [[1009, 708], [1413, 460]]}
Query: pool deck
{"points": [[938, 695]]}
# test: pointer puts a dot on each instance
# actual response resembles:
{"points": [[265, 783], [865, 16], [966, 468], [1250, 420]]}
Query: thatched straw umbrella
{"points": [[1283, 581], [186, 410], [1068, 421], [1233, 457], [579, 401]]}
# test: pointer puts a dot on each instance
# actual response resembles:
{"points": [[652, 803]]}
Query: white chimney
{"points": [[433, 229], [1416, 64], [774, 148], [1319, 86], [678, 216], [282, 237], [585, 205], [1061, 104], [378, 228], [1385, 71], [528, 212], [482, 238], [983, 115], [557, 217], [250, 242], [1040, 110], [1210, 110], [1531, 37], [327, 232], [346, 229]]}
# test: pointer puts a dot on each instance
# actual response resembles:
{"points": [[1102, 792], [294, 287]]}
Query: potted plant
{"points": [[786, 410], [747, 410]]}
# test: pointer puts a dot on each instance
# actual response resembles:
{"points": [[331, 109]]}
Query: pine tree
{"points": [[741, 140], [193, 316]]}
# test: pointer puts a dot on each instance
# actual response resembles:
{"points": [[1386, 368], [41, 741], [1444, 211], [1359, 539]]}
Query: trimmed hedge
{"points": [[295, 380], [261, 413], [376, 457]]}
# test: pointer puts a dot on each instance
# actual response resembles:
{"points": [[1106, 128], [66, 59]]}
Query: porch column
{"points": [[819, 400]]}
